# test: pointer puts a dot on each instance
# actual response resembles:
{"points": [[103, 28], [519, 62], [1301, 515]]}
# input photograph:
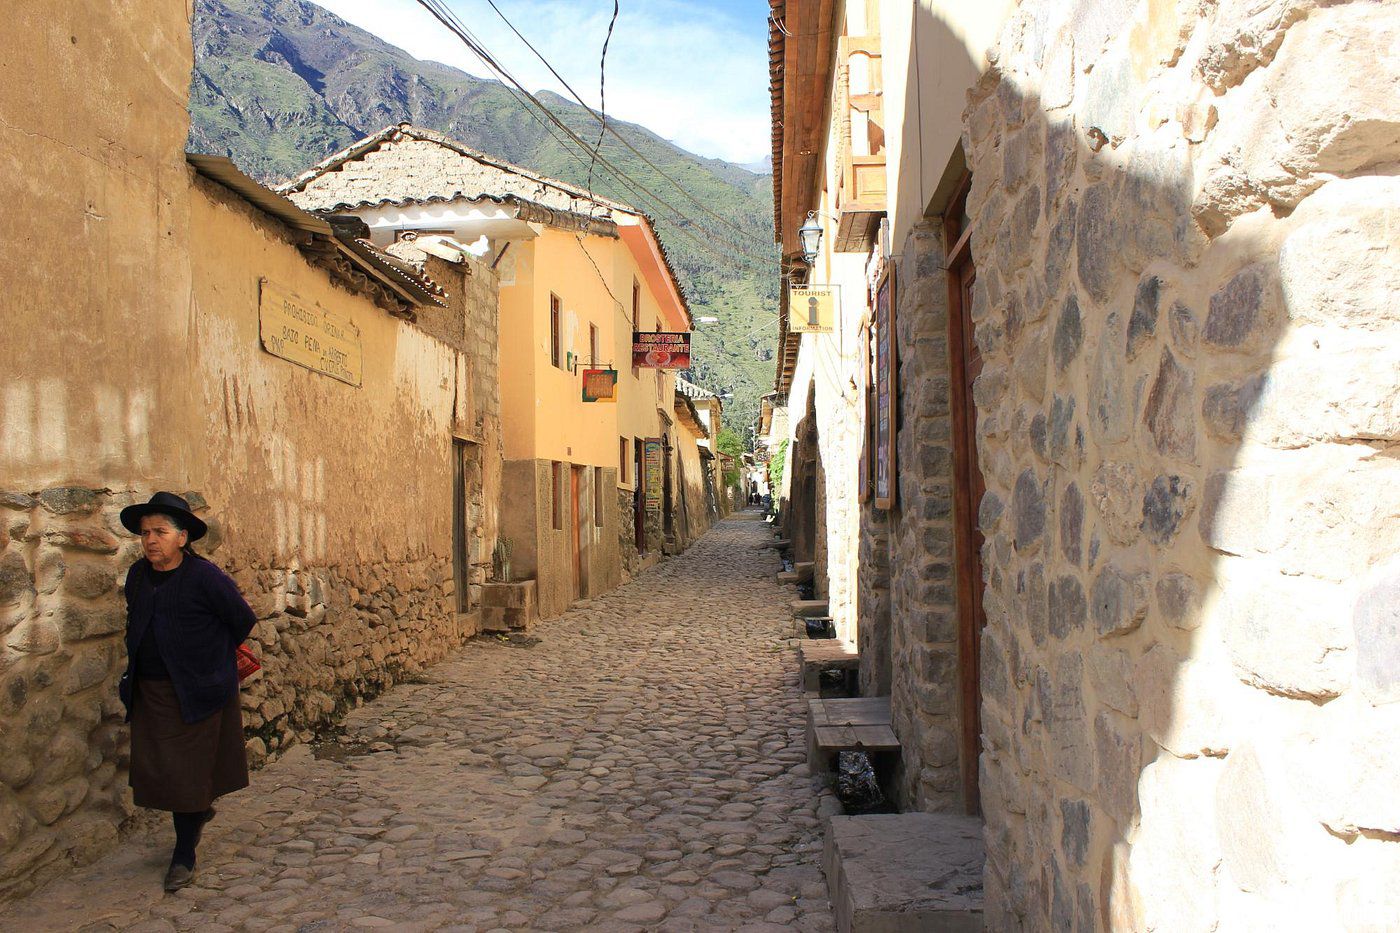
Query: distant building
{"points": [[579, 274]]}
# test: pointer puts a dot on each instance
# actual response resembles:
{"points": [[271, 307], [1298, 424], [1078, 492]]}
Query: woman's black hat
{"points": [[164, 503]]}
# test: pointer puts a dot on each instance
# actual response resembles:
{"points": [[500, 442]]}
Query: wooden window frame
{"points": [[556, 354], [886, 377], [592, 344], [624, 453]]}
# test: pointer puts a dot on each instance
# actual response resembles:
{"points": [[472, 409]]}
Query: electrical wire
{"points": [[602, 88], [601, 117], [445, 16]]}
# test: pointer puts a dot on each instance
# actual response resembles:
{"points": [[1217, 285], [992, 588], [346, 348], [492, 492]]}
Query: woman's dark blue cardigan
{"points": [[199, 618]]}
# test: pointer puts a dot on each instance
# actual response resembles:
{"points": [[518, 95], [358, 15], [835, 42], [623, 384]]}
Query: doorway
{"points": [[969, 486], [465, 492], [639, 498], [578, 510]]}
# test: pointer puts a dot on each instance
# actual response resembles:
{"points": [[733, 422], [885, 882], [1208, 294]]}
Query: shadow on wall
{"points": [[1188, 426]]}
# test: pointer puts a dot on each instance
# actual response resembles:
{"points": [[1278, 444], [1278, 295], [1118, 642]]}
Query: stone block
{"points": [[76, 623], [1117, 493], [1111, 408], [1067, 608], [17, 501], [65, 500], [81, 539], [898, 873], [1098, 243], [1342, 265], [1170, 414], [1028, 509], [1066, 723], [1069, 334], [1142, 323], [89, 580], [1180, 703], [1177, 847], [1375, 623], [1227, 406], [33, 636], [1118, 600], [1117, 764], [1179, 600], [1237, 514], [1288, 635], [1185, 331], [1066, 447], [1072, 524], [1168, 502], [15, 578], [1240, 311], [1076, 830]]}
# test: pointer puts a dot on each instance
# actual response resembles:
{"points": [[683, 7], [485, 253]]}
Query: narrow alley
{"points": [[640, 767]]}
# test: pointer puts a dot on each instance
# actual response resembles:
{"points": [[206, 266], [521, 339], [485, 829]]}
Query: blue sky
{"points": [[693, 71]]}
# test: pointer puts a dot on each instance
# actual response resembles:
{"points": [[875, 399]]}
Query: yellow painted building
{"points": [[579, 273]]}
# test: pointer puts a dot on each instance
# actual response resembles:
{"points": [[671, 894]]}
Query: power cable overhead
{"points": [[602, 119], [445, 16]]}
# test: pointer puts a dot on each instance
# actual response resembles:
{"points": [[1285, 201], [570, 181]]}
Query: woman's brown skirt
{"points": [[182, 766]]}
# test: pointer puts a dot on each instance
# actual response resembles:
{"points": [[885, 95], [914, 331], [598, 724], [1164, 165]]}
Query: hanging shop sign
{"points": [[600, 385], [651, 465], [812, 308], [886, 391], [307, 334], [661, 350]]}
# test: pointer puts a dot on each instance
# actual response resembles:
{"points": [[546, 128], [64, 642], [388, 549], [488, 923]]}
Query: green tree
{"points": [[728, 443]]}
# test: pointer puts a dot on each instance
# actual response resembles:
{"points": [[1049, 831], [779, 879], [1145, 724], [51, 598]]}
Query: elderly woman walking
{"points": [[185, 621]]}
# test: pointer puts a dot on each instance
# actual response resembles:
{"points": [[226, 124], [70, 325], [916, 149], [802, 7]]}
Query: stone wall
{"points": [[1186, 241], [909, 603], [96, 282]]}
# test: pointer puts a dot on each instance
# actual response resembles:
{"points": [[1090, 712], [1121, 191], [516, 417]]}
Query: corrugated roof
{"points": [[412, 287]]}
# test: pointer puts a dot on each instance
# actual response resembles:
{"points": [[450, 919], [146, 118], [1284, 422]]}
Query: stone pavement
{"points": [[640, 768]]}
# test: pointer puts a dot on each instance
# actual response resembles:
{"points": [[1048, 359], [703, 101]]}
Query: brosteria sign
{"points": [[660, 350]]}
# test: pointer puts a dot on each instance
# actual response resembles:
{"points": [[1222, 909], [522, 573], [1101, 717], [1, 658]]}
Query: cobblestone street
{"points": [[640, 768]]}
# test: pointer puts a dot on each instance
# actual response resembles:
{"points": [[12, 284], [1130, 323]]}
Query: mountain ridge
{"points": [[281, 84]]}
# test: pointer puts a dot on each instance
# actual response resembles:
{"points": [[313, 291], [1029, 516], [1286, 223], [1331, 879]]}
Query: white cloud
{"points": [[687, 70]]}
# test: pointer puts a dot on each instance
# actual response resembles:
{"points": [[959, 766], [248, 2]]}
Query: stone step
{"points": [[825, 654], [801, 608], [787, 578], [509, 607], [859, 724], [805, 570], [901, 872]]}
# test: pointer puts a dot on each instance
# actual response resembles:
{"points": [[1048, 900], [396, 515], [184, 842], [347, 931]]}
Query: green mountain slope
{"points": [[280, 84]]}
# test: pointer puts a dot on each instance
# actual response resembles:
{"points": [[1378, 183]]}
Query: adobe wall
{"points": [[1186, 241], [96, 282], [351, 579]]}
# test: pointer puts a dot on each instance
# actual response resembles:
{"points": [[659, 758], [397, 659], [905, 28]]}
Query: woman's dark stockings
{"points": [[188, 827]]}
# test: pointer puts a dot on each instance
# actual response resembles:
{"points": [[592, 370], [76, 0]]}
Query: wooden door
{"points": [[639, 498], [461, 569], [577, 519], [966, 363]]}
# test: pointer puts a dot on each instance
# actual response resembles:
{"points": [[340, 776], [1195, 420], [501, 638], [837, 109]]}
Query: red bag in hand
{"points": [[249, 667]]}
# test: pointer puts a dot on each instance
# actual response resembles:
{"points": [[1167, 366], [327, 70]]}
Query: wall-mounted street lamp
{"points": [[810, 237]]}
